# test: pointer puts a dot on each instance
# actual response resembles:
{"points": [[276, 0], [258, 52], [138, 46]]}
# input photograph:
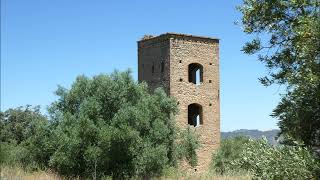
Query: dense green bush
{"points": [[18, 124], [105, 126], [281, 162], [264, 161], [111, 125], [223, 158], [11, 154], [24, 132]]}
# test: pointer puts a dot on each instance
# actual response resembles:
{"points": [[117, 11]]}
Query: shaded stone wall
{"points": [[178, 51], [152, 55]]}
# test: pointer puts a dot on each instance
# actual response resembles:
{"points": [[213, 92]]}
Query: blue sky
{"points": [[45, 43]]}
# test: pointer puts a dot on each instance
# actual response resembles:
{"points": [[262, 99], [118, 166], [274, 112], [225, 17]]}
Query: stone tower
{"points": [[187, 67]]}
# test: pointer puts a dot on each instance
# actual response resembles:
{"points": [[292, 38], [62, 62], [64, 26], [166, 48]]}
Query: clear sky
{"points": [[45, 43]]}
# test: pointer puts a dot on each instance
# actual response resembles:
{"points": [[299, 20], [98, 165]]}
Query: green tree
{"points": [[111, 125], [24, 137], [17, 124], [287, 41]]}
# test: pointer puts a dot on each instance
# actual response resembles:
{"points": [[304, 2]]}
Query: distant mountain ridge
{"points": [[254, 134]]}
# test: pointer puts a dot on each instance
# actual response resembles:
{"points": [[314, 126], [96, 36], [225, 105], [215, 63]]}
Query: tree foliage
{"points": [[257, 157], [189, 143], [281, 162], [287, 41], [24, 137], [111, 125], [229, 150], [108, 125], [19, 123]]}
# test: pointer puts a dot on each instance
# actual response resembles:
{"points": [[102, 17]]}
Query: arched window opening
{"points": [[195, 73], [195, 115]]}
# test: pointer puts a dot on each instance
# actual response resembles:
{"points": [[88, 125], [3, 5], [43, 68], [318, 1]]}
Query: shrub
{"points": [[24, 132], [11, 154], [188, 145], [223, 158], [281, 162], [17, 124], [105, 126], [113, 126], [257, 157]]}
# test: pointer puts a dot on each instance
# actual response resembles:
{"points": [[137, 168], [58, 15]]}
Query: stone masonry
{"points": [[170, 61]]}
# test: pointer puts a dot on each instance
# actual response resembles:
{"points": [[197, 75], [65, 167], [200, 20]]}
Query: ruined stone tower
{"points": [[187, 67]]}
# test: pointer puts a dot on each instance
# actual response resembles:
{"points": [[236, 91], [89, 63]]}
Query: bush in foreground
{"points": [[264, 161], [281, 162], [105, 126], [188, 145], [23, 137], [111, 125], [230, 149]]}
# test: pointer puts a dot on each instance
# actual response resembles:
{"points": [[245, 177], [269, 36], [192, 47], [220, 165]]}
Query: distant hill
{"points": [[254, 134]]}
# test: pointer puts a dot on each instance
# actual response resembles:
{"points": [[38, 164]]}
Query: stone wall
{"points": [[177, 51], [152, 55]]}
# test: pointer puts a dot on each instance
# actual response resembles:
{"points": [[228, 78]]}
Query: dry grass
{"points": [[16, 173], [206, 177], [177, 174], [19, 174]]}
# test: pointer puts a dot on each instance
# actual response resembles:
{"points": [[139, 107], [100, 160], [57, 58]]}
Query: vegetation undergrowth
{"points": [[242, 155], [108, 125]]}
